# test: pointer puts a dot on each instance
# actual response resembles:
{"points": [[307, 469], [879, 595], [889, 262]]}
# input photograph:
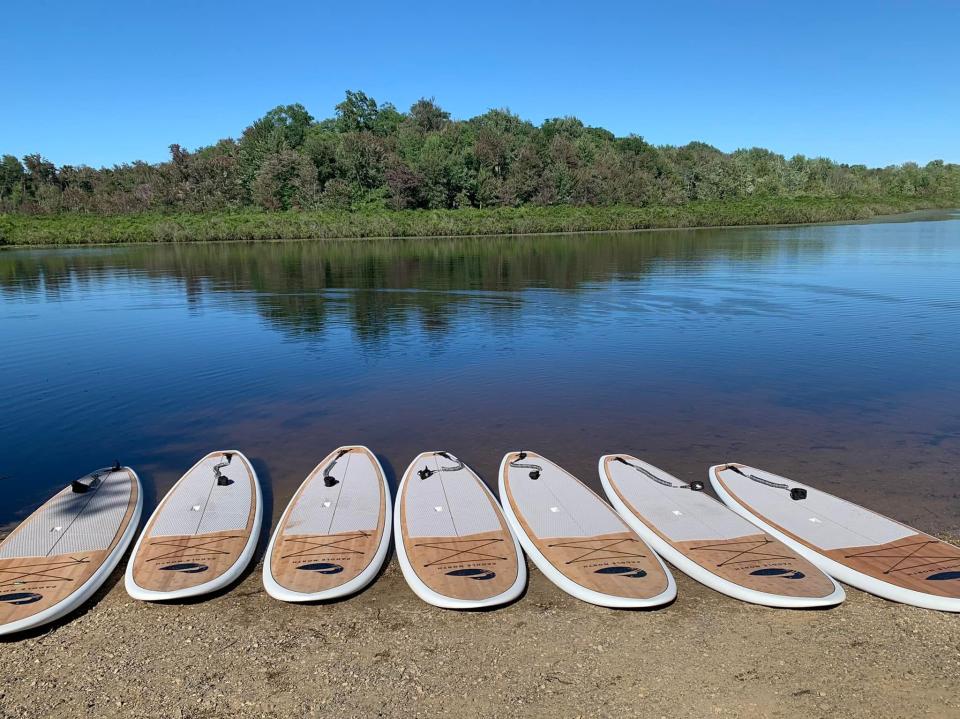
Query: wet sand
{"points": [[384, 653]]}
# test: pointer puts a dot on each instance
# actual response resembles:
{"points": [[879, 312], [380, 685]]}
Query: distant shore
{"points": [[78, 229]]}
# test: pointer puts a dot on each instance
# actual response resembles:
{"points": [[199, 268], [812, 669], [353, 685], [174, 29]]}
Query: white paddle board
{"points": [[708, 541], [855, 545], [333, 536], [576, 539], [453, 543], [62, 553], [202, 535]]}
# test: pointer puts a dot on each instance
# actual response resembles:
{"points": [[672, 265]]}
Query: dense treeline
{"points": [[374, 157]]}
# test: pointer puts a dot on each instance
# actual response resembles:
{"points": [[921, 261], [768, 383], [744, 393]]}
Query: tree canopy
{"points": [[371, 155]]}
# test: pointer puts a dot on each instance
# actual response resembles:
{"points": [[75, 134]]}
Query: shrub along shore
{"points": [[84, 229]]}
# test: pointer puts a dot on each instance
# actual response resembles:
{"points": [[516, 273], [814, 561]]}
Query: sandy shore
{"points": [[384, 653]]}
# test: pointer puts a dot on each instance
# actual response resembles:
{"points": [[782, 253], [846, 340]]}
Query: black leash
{"points": [[695, 486], [795, 492], [427, 472], [328, 480], [78, 486], [223, 480], [535, 468]]}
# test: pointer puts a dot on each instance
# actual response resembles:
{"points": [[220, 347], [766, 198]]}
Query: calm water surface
{"points": [[829, 353]]}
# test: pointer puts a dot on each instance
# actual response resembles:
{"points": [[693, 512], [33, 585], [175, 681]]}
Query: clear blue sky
{"points": [[106, 82]]}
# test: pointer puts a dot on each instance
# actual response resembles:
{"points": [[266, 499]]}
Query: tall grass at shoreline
{"points": [[81, 229]]}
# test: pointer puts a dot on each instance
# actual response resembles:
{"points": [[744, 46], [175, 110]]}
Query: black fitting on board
{"points": [[425, 472], [696, 486], [798, 493], [79, 487], [330, 481]]}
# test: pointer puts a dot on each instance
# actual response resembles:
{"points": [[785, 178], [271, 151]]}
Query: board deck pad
{"points": [[578, 533], [453, 531], [334, 525], [710, 534], [53, 553], [853, 536], [201, 528]]}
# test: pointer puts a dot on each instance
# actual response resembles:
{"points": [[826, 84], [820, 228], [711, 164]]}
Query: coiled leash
{"points": [[427, 472], [695, 486], [223, 480], [327, 479], [795, 492], [535, 468]]}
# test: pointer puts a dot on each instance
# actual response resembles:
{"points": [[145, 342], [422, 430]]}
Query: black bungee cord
{"points": [[222, 479], [535, 468], [695, 486], [329, 480], [795, 492], [427, 472]]}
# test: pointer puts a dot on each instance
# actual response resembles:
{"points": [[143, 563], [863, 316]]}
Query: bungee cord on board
{"points": [[535, 468], [795, 492], [328, 479], [78, 486], [427, 472], [222, 479], [695, 486]]}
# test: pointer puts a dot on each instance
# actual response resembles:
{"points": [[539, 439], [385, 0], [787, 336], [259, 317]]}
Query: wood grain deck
{"points": [[297, 561], [172, 563], [755, 561], [620, 564], [759, 562], [919, 562], [43, 582], [468, 567]]}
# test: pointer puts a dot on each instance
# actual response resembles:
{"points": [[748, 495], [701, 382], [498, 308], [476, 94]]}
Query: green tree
{"points": [[357, 112], [287, 180], [428, 116], [12, 182]]}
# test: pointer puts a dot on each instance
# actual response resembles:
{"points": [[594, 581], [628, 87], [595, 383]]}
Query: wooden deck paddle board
{"points": [[63, 552], [454, 546], [710, 542], [203, 533], [853, 544], [576, 539], [334, 535]]}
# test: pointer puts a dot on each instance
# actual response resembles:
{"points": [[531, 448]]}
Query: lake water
{"points": [[830, 354]]}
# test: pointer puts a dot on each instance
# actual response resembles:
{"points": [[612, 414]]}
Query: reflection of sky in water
{"points": [[831, 351]]}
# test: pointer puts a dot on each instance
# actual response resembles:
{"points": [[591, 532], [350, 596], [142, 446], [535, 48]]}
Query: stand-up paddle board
{"points": [[453, 543], [708, 541], [576, 539], [203, 533], [853, 544], [63, 552], [333, 536]]}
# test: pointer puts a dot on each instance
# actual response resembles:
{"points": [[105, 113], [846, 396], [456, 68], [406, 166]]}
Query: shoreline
{"points": [[891, 218], [386, 653], [20, 232]]}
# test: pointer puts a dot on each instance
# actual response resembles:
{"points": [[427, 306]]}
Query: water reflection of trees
{"points": [[378, 285]]}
